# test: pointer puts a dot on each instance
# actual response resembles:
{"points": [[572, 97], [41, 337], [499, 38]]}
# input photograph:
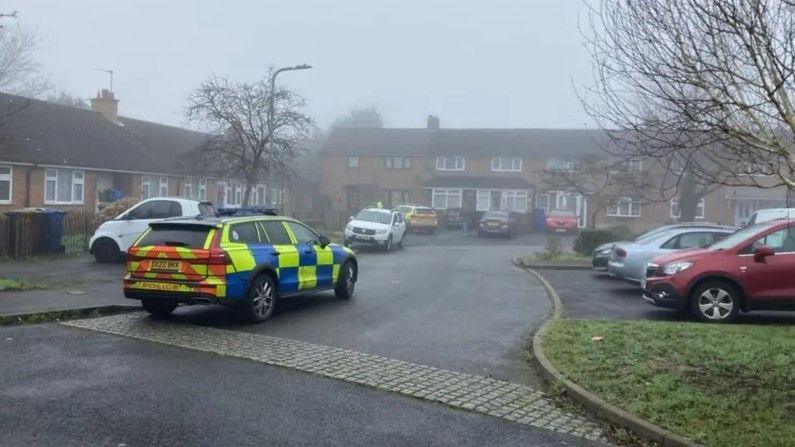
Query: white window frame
{"points": [[202, 189], [442, 165], [546, 208], [10, 179], [635, 208], [506, 164], [701, 206], [51, 175], [483, 200], [447, 194], [187, 189], [353, 162], [512, 197], [146, 182], [628, 166], [562, 165], [403, 162], [162, 183]]}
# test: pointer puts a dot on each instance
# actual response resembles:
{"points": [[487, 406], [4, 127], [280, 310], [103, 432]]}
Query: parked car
{"points": [[561, 221], [771, 214], [500, 223], [249, 263], [628, 260], [453, 218], [748, 270], [114, 237], [376, 227], [419, 218], [601, 254]]}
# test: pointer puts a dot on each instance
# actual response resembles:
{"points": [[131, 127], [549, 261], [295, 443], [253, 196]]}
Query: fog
{"points": [[473, 63]]}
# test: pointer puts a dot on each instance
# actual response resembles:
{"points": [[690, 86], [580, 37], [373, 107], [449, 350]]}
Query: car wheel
{"points": [[261, 299], [159, 308], [715, 302], [346, 281], [106, 251], [388, 245]]}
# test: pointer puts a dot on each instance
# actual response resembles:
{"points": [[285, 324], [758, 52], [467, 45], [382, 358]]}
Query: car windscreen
{"points": [[187, 236], [495, 215], [741, 235], [374, 216], [561, 214]]}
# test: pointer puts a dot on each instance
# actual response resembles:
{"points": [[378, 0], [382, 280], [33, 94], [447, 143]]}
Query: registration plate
{"points": [[159, 264], [493, 224]]}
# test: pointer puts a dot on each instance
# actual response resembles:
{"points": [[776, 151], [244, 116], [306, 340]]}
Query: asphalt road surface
{"points": [[594, 295], [460, 306]]}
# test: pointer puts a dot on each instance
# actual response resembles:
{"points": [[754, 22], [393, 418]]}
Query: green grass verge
{"points": [[720, 385], [15, 285], [559, 258]]}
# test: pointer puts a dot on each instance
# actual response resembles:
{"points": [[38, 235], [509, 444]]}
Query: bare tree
{"points": [[246, 140], [368, 117], [67, 99], [706, 86], [19, 71]]}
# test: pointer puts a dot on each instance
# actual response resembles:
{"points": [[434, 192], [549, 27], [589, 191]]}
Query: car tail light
{"points": [[216, 255], [620, 252]]}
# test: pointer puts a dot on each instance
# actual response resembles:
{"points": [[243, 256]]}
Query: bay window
{"points": [[446, 198], [6, 183], [63, 186]]}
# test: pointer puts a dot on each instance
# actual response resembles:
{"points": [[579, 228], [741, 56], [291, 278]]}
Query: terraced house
{"points": [[73, 159], [488, 169]]}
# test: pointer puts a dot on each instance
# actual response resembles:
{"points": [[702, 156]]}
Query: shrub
{"points": [[552, 249], [588, 240]]}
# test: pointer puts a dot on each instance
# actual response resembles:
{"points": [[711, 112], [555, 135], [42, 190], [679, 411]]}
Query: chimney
{"points": [[433, 122], [106, 104]]}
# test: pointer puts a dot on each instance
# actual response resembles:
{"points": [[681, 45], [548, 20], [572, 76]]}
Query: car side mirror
{"points": [[350, 217], [324, 241], [762, 252]]}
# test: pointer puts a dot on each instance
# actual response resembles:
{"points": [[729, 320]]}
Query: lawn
{"points": [[14, 285], [720, 385]]}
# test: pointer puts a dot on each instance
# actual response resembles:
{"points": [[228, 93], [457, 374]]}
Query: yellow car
{"points": [[419, 218]]}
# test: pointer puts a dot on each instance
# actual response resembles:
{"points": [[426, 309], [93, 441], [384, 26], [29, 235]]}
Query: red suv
{"points": [[751, 269]]}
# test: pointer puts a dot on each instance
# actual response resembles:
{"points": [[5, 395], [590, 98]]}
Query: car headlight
{"points": [[676, 267], [349, 227], [380, 231]]}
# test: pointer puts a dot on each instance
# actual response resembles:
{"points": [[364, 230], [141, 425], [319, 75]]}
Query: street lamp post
{"points": [[271, 113]]}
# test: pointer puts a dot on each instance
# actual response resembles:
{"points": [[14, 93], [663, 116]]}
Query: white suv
{"points": [[376, 227], [114, 237]]}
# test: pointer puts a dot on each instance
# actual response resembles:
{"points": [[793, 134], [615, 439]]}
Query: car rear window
{"points": [[188, 236], [206, 209], [425, 211], [495, 215]]}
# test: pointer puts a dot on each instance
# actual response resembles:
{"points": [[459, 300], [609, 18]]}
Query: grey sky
{"points": [[495, 63]]}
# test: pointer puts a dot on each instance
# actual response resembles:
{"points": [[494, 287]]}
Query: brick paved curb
{"points": [[506, 400], [640, 427], [64, 314]]}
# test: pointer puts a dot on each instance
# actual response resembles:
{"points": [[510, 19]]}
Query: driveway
{"points": [[593, 295]]}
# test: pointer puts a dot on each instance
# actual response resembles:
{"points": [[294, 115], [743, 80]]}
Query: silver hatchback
{"points": [[628, 260]]}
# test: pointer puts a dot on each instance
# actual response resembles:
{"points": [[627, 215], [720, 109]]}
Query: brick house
{"points": [[485, 169], [68, 158]]}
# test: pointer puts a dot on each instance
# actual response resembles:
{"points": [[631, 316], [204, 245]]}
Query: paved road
{"points": [[592, 295], [69, 386], [465, 308]]}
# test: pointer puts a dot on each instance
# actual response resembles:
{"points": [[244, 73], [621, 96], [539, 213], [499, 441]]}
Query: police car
{"points": [[249, 262]]}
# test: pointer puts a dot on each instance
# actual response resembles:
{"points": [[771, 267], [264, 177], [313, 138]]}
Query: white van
{"points": [[114, 237], [771, 214]]}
